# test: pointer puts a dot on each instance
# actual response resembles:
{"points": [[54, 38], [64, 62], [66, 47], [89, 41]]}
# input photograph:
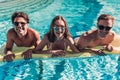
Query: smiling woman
{"points": [[57, 39]]}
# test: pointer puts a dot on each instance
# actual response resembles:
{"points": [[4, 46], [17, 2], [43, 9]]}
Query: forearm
{"points": [[116, 50], [41, 52], [7, 50], [85, 50]]}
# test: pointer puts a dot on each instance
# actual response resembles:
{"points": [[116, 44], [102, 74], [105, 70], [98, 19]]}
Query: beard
{"points": [[103, 34]]}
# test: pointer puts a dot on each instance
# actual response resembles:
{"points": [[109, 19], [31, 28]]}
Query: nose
{"points": [[19, 26], [60, 30], [104, 30]]}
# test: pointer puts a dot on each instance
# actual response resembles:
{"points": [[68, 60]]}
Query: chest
{"points": [[26, 42], [100, 42], [58, 45]]}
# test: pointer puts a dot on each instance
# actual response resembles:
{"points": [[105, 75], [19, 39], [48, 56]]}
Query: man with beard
{"points": [[103, 36]]}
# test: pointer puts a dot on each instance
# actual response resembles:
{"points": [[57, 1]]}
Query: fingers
{"points": [[8, 58], [14, 56], [27, 55], [59, 53], [108, 47], [100, 52]]}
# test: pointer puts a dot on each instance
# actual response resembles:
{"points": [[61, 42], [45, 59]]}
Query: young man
{"points": [[103, 36], [21, 35]]}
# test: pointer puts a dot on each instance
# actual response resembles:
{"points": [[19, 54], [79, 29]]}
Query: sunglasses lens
{"points": [[108, 28], [101, 27], [17, 23], [63, 28], [56, 28]]}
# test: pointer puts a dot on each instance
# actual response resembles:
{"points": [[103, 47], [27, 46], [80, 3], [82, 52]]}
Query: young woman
{"points": [[57, 39]]}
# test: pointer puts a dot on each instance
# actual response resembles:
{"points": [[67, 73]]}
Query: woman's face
{"points": [[59, 28], [104, 27], [20, 26]]}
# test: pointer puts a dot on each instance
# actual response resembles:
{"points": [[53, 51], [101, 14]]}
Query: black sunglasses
{"points": [[17, 23], [107, 28]]}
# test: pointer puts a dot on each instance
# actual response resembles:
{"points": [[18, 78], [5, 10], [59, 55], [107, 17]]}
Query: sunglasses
{"points": [[17, 23], [57, 28], [107, 28]]}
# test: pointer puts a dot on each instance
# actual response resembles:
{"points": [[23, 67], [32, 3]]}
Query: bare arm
{"points": [[42, 44], [82, 43], [37, 37], [115, 44], [70, 43], [9, 44], [8, 49]]}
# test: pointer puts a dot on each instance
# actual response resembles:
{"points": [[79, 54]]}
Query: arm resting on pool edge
{"points": [[116, 50]]}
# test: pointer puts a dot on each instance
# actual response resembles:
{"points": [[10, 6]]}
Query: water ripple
{"points": [[28, 6]]}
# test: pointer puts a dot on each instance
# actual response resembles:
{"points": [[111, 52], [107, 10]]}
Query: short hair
{"points": [[20, 14], [105, 17]]}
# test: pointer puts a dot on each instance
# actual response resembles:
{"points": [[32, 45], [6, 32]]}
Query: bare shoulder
{"points": [[89, 33], [86, 37], [71, 39], [116, 40], [112, 33], [45, 39], [46, 36], [11, 32], [116, 36], [32, 31]]}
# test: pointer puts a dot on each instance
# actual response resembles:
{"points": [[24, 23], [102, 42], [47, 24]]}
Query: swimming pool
{"points": [[81, 16]]}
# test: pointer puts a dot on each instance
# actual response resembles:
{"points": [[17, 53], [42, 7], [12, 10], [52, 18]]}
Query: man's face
{"points": [[20, 26], [104, 27], [59, 28]]}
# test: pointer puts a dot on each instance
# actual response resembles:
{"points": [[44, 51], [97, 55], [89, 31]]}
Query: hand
{"points": [[57, 53], [108, 47], [98, 52], [27, 54], [9, 57]]}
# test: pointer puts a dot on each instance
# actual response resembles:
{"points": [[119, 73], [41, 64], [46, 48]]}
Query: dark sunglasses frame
{"points": [[17, 23], [107, 28]]}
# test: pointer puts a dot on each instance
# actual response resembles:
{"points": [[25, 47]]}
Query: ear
{"points": [[97, 24], [14, 28]]}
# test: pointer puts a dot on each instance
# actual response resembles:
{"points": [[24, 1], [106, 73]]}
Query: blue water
{"points": [[81, 16]]}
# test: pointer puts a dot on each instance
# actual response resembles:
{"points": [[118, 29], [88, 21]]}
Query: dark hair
{"points": [[105, 17], [51, 35], [20, 14]]}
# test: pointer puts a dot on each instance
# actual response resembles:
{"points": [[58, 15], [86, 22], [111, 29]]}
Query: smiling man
{"points": [[103, 36], [21, 35]]}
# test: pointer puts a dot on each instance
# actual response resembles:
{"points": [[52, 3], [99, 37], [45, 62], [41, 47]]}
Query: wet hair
{"points": [[20, 14], [51, 35], [105, 17]]}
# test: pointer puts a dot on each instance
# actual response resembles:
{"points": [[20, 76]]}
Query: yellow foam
{"points": [[19, 50]]}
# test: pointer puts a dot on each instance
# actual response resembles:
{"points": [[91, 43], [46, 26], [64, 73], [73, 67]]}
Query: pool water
{"points": [[81, 16]]}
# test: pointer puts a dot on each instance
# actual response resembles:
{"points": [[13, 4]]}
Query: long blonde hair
{"points": [[51, 35]]}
